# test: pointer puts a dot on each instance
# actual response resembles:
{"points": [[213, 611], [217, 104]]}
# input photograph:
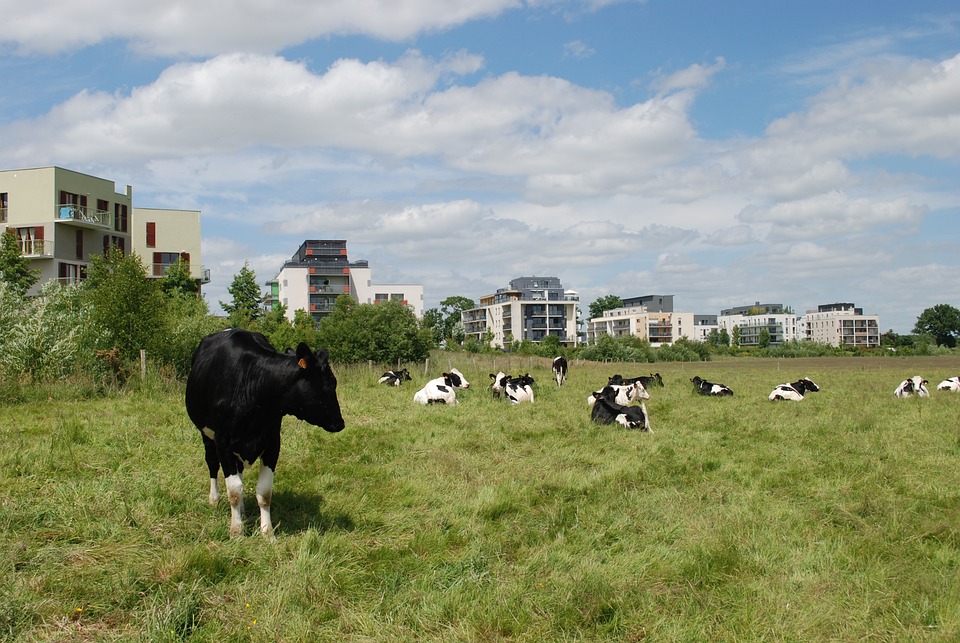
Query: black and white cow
{"points": [[238, 391], [442, 389], [606, 410], [394, 378], [653, 379], [625, 393], [915, 385], [560, 369], [794, 391], [703, 387], [519, 389], [950, 384]]}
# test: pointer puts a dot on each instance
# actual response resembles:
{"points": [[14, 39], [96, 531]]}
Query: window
{"points": [[120, 217], [163, 260], [3, 207], [111, 241], [151, 234], [79, 244], [30, 240], [70, 273]]}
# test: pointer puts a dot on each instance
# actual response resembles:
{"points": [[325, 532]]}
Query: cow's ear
{"points": [[304, 355]]}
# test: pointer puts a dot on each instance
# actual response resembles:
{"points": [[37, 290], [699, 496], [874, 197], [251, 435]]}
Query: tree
{"points": [[607, 302], [942, 322], [247, 304], [128, 305], [386, 333], [14, 267], [724, 338], [178, 281], [763, 339], [450, 309], [735, 339]]}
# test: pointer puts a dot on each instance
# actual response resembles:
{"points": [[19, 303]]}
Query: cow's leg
{"points": [[268, 464], [233, 476], [213, 465]]}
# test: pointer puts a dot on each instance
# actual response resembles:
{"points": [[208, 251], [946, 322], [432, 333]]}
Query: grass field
{"points": [[833, 519]]}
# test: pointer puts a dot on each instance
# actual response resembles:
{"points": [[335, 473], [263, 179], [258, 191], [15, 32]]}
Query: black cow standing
{"points": [[238, 391]]}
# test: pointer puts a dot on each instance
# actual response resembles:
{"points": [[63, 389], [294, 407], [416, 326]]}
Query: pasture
{"points": [[834, 518]]}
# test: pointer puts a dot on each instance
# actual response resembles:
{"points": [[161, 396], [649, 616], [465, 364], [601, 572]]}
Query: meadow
{"points": [[832, 519]]}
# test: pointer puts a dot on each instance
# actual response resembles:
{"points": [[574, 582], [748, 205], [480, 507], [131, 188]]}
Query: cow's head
{"points": [[313, 395], [456, 379]]}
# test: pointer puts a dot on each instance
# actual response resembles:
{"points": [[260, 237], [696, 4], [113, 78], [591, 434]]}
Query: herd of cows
{"points": [[240, 387]]}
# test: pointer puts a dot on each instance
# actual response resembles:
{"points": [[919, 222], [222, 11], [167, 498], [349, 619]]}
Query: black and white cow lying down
{"points": [[516, 389], [394, 378], [238, 391], [560, 369], [606, 410], [909, 387], [653, 379], [442, 389], [703, 387], [794, 391], [950, 384]]}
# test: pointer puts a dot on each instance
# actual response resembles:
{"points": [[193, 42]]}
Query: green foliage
{"points": [[186, 321], [47, 336], [177, 280], [15, 269], [942, 322], [445, 322], [763, 339], [127, 305], [387, 333], [607, 302], [246, 306]]}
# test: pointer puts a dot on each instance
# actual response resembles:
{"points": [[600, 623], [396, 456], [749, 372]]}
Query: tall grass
{"points": [[836, 518]]}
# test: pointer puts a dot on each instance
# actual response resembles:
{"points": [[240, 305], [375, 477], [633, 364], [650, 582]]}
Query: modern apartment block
{"points": [[779, 321], [320, 271], [843, 325], [530, 309], [62, 218], [162, 237], [650, 317]]}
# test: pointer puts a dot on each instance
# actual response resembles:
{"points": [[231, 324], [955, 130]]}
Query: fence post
{"points": [[143, 363]]}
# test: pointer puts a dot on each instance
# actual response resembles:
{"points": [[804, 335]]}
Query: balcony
{"points": [[160, 269], [36, 248], [82, 215]]}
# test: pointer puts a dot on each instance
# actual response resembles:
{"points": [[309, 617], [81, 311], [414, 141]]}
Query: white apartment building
{"points": [[781, 324], [61, 218], [650, 317], [530, 309], [320, 271], [842, 325]]}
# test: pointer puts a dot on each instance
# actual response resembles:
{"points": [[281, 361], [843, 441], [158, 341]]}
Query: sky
{"points": [[723, 152]]}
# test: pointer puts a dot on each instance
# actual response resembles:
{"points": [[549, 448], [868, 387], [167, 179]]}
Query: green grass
{"points": [[836, 518]]}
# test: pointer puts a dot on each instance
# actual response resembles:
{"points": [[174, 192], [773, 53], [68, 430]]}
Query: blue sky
{"points": [[726, 153]]}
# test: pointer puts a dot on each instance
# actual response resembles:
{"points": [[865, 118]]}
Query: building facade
{"points": [[62, 218], [843, 325], [780, 323], [530, 309], [320, 271], [162, 237], [652, 318]]}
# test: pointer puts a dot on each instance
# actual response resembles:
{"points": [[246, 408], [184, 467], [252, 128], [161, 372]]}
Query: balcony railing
{"points": [[82, 214], [35, 247], [160, 269]]}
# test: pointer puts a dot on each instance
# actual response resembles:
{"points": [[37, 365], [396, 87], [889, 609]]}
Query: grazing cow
{"points": [[794, 391], [394, 378], [238, 391], [441, 390], [625, 393], [703, 387], [560, 369], [915, 385], [519, 389], [653, 379], [950, 384], [606, 410]]}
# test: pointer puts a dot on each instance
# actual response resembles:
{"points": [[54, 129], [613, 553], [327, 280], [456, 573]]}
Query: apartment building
{"points": [[781, 324], [61, 218], [320, 271], [650, 317], [843, 325], [531, 308]]}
